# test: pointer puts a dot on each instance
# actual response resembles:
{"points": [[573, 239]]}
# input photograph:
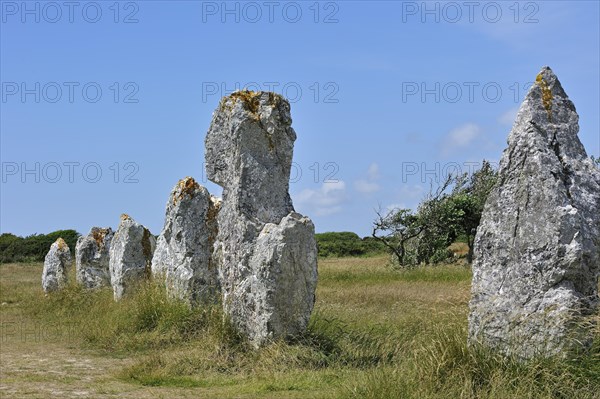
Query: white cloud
{"points": [[373, 172], [460, 138], [508, 118], [326, 200], [369, 184], [366, 187]]}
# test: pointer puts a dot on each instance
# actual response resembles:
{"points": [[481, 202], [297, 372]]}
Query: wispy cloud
{"points": [[324, 201], [460, 138], [508, 117], [369, 185]]}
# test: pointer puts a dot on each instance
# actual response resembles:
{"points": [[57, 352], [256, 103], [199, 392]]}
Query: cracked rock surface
{"points": [[537, 249]]}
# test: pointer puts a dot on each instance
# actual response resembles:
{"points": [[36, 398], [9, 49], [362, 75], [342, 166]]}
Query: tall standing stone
{"points": [[92, 254], [537, 250], [131, 252], [184, 247], [56, 266], [265, 251]]}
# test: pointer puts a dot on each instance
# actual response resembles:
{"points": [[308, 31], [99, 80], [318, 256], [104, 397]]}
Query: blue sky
{"points": [[105, 105]]}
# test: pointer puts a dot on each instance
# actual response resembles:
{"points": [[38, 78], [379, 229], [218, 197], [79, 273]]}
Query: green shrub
{"points": [[341, 244], [33, 248]]}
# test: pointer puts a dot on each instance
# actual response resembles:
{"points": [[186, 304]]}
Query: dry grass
{"points": [[376, 333]]}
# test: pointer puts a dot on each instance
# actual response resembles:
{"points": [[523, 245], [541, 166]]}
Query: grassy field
{"points": [[375, 333]]}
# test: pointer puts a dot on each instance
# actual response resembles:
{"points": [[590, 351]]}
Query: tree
{"points": [[395, 229], [442, 216], [468, 199], [414, 238]]}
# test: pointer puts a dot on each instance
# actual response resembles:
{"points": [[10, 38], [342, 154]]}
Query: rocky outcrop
{"points": [[537, 249], [56, 266], [92, 254], [265, 252], [184, 247], [131, 253]]}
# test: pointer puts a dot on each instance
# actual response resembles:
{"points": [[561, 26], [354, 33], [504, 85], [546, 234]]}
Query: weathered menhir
{"points": [[537, 249]]}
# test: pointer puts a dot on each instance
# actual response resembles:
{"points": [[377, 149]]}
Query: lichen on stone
{"points": [[250, 99], [186, 186], [98, 235], [546, 94], [61, 243]]}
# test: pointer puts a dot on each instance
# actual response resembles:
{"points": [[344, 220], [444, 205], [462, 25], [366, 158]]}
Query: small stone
{"points": [[92, 258], [131, 251], [184, 247], [537, 252], [56, 266]]}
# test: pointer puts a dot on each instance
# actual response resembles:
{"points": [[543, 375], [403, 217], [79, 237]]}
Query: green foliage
{"points": [[344, 244], [443, 217], [467, 200], [34, 247]]}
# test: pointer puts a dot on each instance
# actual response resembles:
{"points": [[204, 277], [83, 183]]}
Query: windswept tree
{"points": [[451, 211], [395, 229]]}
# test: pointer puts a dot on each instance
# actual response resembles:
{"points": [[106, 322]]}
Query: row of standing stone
{"points": [[249, 251], [537, 249], [102, 258]]}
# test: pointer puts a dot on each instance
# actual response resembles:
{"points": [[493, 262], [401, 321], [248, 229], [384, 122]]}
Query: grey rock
{"points": [[131, 251], [92, 254], [184, 247], [537, 249], [265, 252], [56, 266]]}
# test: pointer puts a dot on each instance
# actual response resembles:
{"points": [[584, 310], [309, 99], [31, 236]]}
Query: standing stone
{"points": [[184, 248], [537, 250], [92, 254], [266, 252], [56, 266], [131, 252]]}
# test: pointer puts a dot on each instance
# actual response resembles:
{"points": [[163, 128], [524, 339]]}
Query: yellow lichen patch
{"points": [[251, 99], [186, 186], [546, 95], [125, 216], [61, 243], [99, 235]]}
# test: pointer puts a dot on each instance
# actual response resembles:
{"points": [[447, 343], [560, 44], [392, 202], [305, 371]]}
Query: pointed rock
{"points": [[266, 252], [92, 254], [184, 247], [131, 252], [56, 266], [537, 249]]}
